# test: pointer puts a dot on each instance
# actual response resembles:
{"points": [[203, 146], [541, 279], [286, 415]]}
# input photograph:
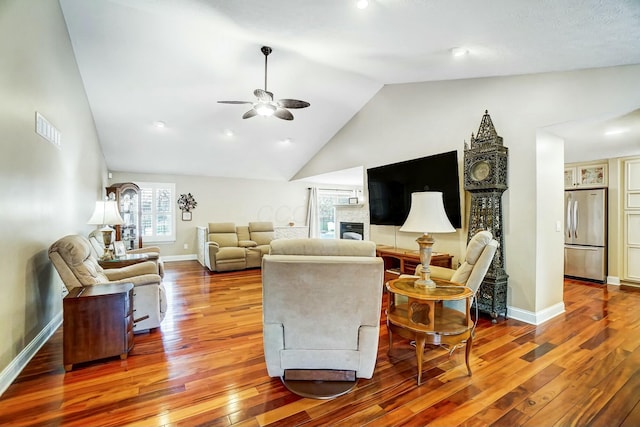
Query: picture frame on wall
{"points": [[186, 216], [119, 249]]}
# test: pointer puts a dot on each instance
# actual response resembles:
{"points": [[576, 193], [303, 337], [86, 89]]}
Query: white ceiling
{"points": [[144, 61]]}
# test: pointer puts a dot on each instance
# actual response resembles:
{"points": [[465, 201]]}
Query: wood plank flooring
{"points": [[205, 367]]}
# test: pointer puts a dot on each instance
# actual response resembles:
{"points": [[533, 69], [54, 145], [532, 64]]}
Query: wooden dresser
{"points": [[98, 323]]}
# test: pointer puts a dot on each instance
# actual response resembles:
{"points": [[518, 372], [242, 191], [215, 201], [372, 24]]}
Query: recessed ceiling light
{"points": [[459, 51], [159, 124], [286, 141], [362, 4], [228, 132], [616, 131]]}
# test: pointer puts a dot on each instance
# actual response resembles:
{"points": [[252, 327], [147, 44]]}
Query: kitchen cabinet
{"points": [[585, 175], [631, 189]]}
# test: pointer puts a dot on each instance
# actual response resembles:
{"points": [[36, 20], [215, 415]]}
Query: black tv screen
{"points": [[390, 187]]}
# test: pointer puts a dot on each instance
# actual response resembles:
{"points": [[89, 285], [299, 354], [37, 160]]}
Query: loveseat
{"points": [[230, 247]]}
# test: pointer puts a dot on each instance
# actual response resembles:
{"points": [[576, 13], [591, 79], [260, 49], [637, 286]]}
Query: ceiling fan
{"points": [[265, 105]]}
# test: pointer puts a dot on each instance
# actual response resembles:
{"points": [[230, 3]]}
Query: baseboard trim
{"points": [[188, 257], [11, 372], [613, 280], [536, 318]]}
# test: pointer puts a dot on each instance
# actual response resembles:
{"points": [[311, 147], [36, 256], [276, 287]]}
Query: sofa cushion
{"points": [[323, 247], [243, 232], [222, 227], [261, 232], [223, 233], [226, 254], [76, 251], [474, 250]]}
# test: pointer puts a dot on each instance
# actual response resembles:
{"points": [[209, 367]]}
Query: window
{"points": [[158, 219], [327, 199]]}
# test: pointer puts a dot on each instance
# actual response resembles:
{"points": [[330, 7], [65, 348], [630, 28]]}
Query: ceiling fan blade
{"points": [[263, 95], [292, 103], [250, 114], [234, 102], [283, 114]]}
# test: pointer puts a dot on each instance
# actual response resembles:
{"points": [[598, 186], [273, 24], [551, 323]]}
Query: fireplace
{"points": [[352, 230]]}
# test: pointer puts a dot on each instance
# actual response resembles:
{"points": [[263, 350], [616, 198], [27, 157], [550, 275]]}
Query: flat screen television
{"points": [[390, 187]]}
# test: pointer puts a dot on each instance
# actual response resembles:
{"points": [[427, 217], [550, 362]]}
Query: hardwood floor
{"points": [[206, 367]]}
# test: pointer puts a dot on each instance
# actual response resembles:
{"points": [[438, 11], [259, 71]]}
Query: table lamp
{"points": [[106, 214], [427, 215]]}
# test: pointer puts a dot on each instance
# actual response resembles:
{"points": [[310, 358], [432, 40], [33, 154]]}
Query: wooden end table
{"points": [[426, 320], [98, 323], [123, 260]]}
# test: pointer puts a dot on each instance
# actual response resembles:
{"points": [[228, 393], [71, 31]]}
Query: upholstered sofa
{"points": [[321, 305], [73, 258], [153, 252], [230, 247]]}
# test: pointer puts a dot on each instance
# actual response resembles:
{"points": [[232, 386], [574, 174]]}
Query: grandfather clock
{"points": [[485, 177]]}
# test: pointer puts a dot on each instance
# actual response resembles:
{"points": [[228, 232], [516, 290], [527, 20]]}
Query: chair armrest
{"points": [[145, 279], [145, 250], [247, 244], [213, 247], [441, 272], [437, 272], [147, 267]]}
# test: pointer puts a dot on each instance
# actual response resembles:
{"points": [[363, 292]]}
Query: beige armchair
{"points": [[153, 252], [321, 309], [73, 258], [476, 262]]}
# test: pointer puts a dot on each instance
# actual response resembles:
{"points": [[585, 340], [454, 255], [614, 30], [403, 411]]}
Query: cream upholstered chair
{"points": [[73, 258], [321, 309], [476, 262], [153, 252]]}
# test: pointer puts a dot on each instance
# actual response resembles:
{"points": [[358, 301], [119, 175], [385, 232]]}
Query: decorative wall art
{"points": [[187, 203]]}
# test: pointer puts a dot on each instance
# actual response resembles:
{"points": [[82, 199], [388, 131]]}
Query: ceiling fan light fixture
{"points": [[265, 106], [265, 109], [459, 52]]}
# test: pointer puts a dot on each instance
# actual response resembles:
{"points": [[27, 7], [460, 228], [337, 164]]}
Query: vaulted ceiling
{"points": [[154, 70]]}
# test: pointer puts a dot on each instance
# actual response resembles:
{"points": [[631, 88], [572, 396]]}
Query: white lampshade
{"points": [[427, 214], [106, 213]]}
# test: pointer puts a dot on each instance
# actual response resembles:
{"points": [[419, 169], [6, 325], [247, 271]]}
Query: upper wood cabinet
{"points": [[127, 195], [587, 175]]}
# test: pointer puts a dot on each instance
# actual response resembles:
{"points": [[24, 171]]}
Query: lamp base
{"points": [[424, 282], [106, 239]]}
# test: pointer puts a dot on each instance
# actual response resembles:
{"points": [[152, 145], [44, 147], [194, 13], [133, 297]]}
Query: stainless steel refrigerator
{"points": [[585, 234]]}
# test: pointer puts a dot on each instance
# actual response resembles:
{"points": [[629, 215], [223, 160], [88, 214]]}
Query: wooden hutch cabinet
{"points": [[127, 195]]}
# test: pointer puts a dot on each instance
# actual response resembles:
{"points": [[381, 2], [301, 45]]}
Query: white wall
{"points": [[413, 120], [228, 200], [549, 221], [45, 193]]}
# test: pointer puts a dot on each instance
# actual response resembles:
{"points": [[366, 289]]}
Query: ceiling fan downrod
{"points": [[266, 50]]}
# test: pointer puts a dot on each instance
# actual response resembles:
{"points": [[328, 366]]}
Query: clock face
{"points": [[480, 170]]}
